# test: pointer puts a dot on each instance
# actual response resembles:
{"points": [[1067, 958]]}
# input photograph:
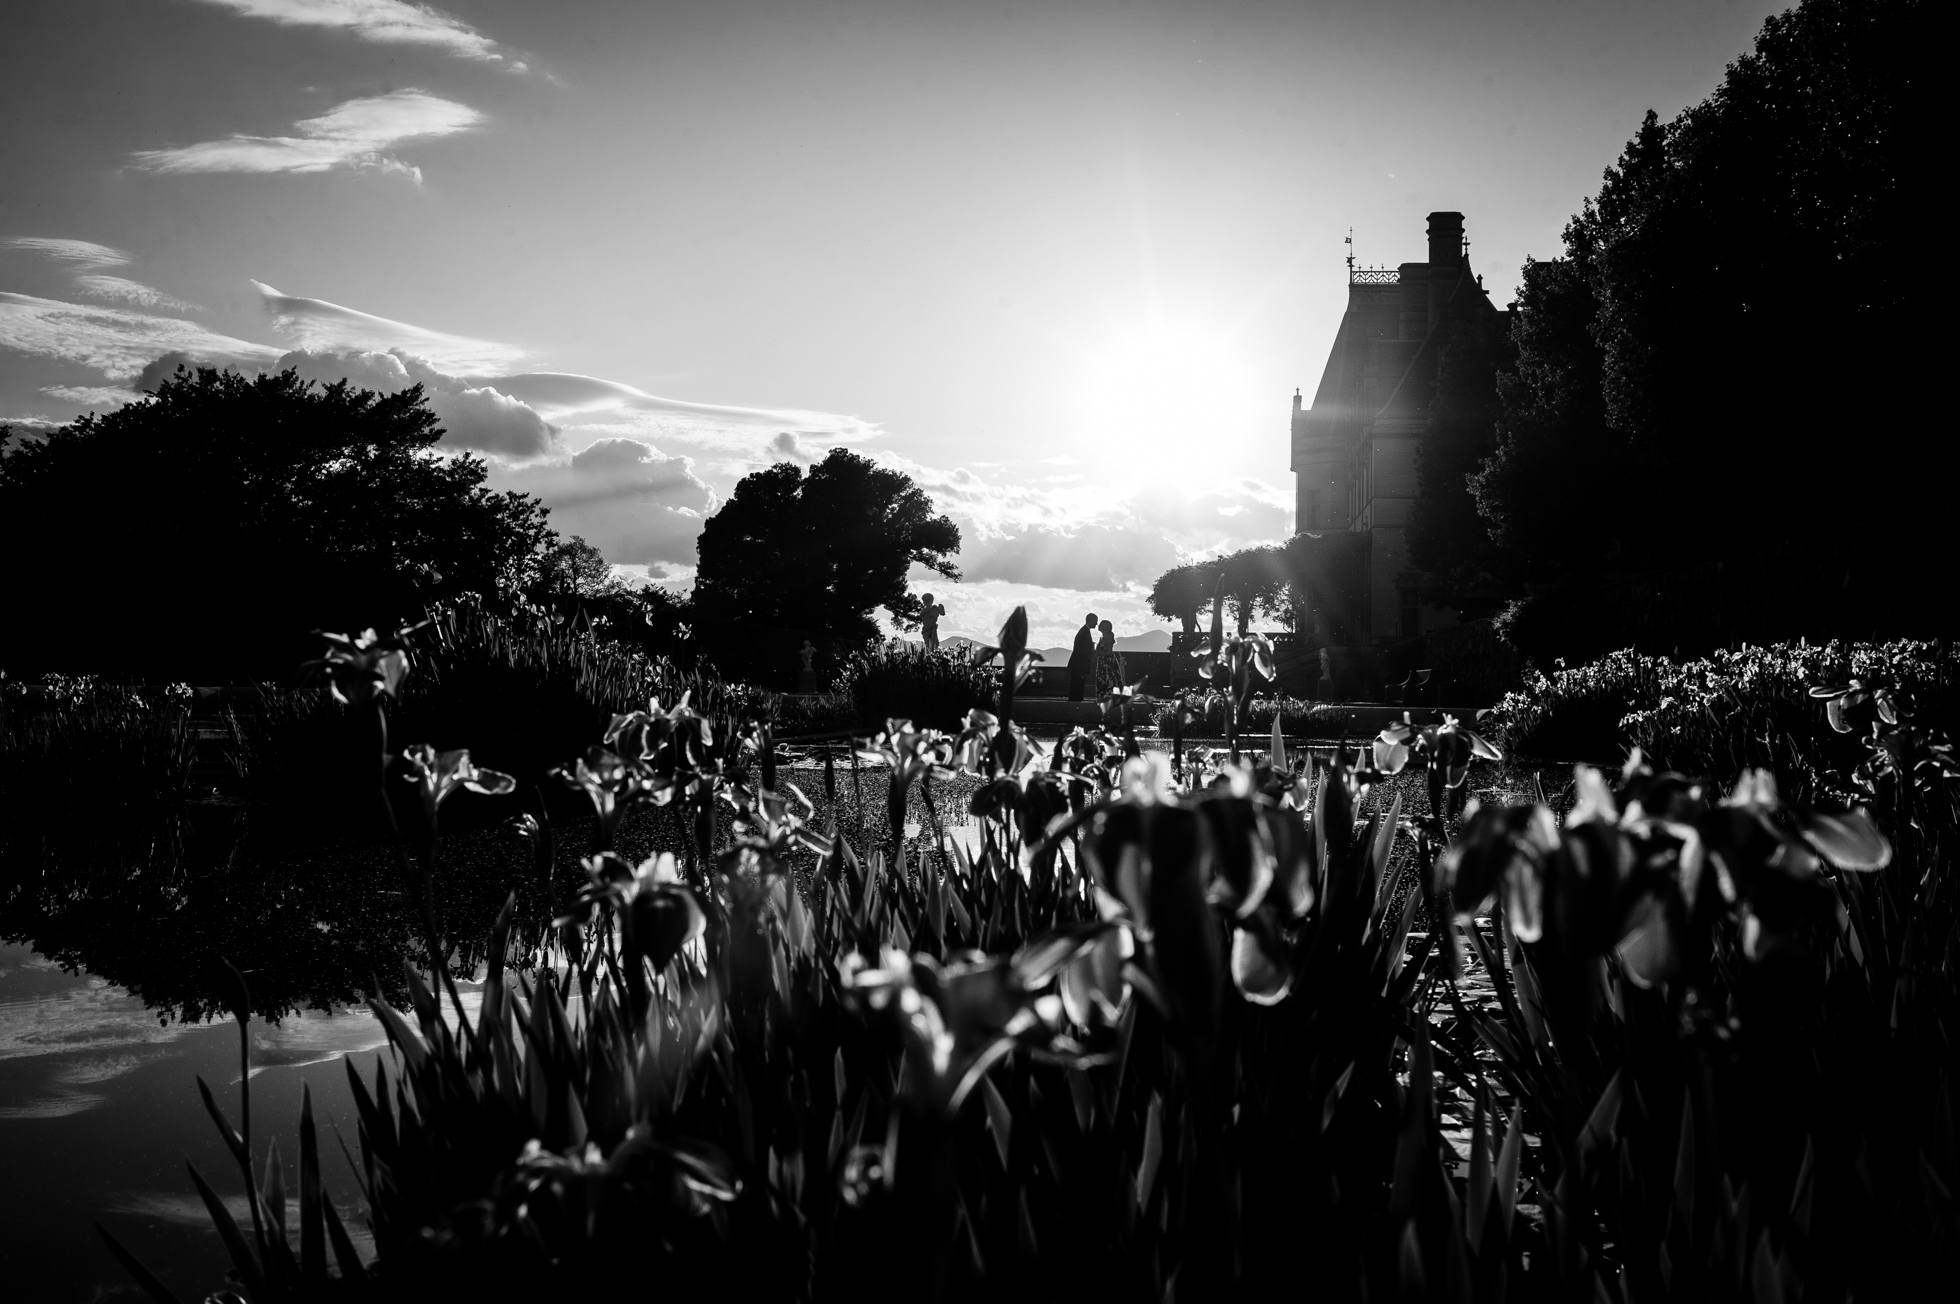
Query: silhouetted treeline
{"points": [[1714, 416], [203, 533]]}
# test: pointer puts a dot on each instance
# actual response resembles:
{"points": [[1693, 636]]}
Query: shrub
{"points": [[1718, 715], [60, 741], [1298, 716], [931, 689], [528, 687]]}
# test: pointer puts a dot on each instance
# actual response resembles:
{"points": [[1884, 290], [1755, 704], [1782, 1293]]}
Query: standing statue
{"points": [[929, 615], [806, 681]]}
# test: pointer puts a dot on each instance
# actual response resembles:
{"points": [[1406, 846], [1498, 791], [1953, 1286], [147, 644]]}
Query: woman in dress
{"points": [[1109, 662]]}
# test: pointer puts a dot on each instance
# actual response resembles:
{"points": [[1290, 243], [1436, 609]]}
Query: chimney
{"points": [[1296, 401], [1445, 243]]}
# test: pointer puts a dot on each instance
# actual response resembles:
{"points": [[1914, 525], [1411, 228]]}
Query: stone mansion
{"points": [[1354, 448]]}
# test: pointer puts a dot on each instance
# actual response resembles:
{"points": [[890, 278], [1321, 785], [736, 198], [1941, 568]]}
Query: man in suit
{"points": [[1082, 659]]}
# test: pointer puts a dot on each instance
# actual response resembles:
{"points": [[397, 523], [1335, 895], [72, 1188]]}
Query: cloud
{"points": [[1242, 513], [483, 419], [1090, 558], [122, 290], [320, 325], [355, 134], [787, 445], [82, 253], [635, 504], [94, 395], [84, 256], [115, 342], [473, 416], [603, 408], [387, 22]]}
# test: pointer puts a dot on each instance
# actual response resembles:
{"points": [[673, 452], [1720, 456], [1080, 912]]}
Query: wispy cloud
{"points": [[85, 257], [356, 134], [80, 253], [388, 22], [116, 342], [564, 396], [318, 324], [92, 395], [123, 290]]}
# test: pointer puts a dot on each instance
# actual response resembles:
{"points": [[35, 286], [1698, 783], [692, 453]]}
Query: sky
{"points": [[1064, 263]]}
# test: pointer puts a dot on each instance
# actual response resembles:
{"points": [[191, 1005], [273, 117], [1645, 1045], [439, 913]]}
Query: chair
{"points": [[1413, 691]]}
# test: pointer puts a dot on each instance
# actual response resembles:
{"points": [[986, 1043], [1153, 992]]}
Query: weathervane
{"points": [[1350, 253]]}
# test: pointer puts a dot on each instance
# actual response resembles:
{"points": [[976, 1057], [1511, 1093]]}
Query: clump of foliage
{"points": [[898, 680], [1206, 715], [1747, 708], [247, 512], [59, 728], [527, 685]]}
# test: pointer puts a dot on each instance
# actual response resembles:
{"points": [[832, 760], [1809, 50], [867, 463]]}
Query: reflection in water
{"points": [[118, 918], [314, 923], [99, 1111]]}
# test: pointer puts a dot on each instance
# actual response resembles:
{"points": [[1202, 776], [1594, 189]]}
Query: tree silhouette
{"points": [[203, 532], [818, 553], [1717, 375], [1254, 582], [1181, 592], [574, 568]]}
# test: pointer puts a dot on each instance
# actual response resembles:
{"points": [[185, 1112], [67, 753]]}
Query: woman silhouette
{"points": [[1109, 662]]}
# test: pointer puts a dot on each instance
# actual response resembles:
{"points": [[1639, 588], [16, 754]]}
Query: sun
{"points": [[1162, 388]]}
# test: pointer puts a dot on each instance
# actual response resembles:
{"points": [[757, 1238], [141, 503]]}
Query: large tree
{"points": [[1554, 489], [818, 553], [203, 532], [1725, 371]]}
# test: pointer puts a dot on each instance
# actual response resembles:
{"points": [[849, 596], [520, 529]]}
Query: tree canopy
{"points": [[203, 532], [817, 553], [574, 568], [1694, 379], [1253, 581]]}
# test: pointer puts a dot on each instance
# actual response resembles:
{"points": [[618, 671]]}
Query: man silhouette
{"points": [[1082, 660]]}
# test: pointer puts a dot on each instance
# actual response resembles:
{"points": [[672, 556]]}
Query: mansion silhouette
{"points": [[1354, 448]]}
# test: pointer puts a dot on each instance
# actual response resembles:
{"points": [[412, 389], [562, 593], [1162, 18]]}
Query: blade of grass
{"points": [[312, 1243], [249, 1270], [157, 1291]]}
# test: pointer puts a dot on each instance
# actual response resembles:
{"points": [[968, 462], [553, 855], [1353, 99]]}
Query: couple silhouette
{"points": [[1094, 662]]}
